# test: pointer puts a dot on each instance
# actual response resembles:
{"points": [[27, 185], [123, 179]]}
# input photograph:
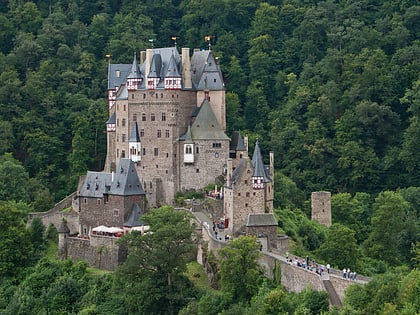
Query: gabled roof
{"points": [[135, 70], [261, 219], [125, 182], [206, 73], [206, 126], [257, 162], [134, 136], [237, 142]]}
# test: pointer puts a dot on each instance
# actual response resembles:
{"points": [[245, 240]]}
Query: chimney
{"points": [[149, 55], [246, 143], [272, 165], [142, 57], [229, 169], [186, 68]]}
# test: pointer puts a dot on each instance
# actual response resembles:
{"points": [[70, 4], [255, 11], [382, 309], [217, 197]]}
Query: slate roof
{"points": [[187, 137], [206, 126], [134, 136], [115, 81], [122, 93], [257, 162], [240, 168], [124, 182], [172, 68], [135, 70], [237, 142], [156, 66], [205, 72], [261, 219], [112, 119], [134, 218]]}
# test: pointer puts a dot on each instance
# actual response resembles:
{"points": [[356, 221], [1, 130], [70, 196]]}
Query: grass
{"points": [[51, 252], [196, 274]]}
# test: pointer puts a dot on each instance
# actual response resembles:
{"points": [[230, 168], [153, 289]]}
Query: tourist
{"points": [[328, 268]]}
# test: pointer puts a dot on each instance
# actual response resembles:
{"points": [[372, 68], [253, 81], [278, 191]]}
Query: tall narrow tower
{"points": [[321, 207]]}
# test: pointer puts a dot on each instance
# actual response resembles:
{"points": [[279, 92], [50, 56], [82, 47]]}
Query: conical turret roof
{"points": [[257, 162], [135, 70]]}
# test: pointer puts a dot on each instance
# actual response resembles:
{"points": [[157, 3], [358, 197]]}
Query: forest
{"points": [[331, 87]]}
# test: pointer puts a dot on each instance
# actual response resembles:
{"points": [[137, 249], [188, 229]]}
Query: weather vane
{"points": [[207, 39]]}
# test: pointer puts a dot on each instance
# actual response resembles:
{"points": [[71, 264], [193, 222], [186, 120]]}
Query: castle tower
{"points": [[164, 94], [134, 78], [63, 234], [246, 191], [321, 207]]}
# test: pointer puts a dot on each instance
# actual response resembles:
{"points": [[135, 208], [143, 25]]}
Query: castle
{"points": [[165, 135], [167, 114]]}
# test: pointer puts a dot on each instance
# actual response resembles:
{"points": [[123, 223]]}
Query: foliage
{"points": [[16, 248], [397, 289], [152, 280], [340, 248], [240, 273]]}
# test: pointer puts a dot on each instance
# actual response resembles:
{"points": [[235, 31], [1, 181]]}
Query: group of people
{"points": [[319, 269], [347, 274], [308, 264]]}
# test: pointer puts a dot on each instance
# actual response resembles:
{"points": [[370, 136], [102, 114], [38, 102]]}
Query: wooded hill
{"points": [[332, 87]]}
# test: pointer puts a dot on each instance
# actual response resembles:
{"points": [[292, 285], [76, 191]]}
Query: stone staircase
{"points": [[334, 298]]}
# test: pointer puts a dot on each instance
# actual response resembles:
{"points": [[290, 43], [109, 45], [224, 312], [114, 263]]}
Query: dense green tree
{"points": [[388, 221], [13, 181], [15, 243], [152, 280], [240, 273], [397, 289], [340, 248], [82, 145], [354, 212]]}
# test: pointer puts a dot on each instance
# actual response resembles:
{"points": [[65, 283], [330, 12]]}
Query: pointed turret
{"points": [[134, 143], [134, 78], [259, 177], [238, 148], [154, 76], [172, 76]]}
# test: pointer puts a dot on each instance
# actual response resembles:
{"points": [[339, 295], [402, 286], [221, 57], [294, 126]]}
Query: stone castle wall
{"points": [[55, 215], [321, 207], [99, 251]]}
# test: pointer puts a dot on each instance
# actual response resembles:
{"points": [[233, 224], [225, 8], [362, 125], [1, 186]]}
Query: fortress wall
{"points": [[100, 251], [55, 216], [293, 278]]}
